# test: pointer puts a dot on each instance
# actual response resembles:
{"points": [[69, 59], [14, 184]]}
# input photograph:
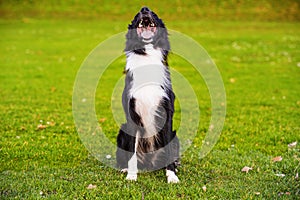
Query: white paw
{"points": [[125, 170], [171, 176], [173, 179], [131, 177]]}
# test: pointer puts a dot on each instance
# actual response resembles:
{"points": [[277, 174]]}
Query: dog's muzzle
{"points": [[146, 28]]}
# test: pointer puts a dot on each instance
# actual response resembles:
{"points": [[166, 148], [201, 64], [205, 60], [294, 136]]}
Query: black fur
{"points": [[135, 44], [150, 151]]}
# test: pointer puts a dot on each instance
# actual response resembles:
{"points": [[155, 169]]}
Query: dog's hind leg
{"points": [[171, 176], [170, 141], [173, 155]]}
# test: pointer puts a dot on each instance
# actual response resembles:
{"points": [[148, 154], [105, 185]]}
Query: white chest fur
{"points": [[149, 81], [153, 57], [147, 70]]}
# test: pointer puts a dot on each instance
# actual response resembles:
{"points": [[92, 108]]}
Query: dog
{"points": [[147, 140]]}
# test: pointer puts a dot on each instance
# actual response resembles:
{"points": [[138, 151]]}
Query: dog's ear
{"points": [[132, 40], [163, 43], [161, 39], [134, 22], [134, 43]]}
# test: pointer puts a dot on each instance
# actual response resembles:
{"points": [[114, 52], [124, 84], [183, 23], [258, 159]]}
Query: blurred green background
{"points": [[269, 10]]}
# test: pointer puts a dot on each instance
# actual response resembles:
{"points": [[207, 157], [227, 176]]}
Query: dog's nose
{"points": [[145, 10]]}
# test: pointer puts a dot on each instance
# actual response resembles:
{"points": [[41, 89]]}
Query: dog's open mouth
{"points": [[146, 29]]}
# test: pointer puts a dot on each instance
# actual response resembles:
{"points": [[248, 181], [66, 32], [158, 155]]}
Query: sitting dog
{"points": [[147, 140]]}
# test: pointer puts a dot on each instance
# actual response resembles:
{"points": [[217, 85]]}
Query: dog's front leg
{"points": [[132, 163], [132, 168]]}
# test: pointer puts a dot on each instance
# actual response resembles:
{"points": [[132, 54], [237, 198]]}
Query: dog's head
{"points": [[144, 29]]}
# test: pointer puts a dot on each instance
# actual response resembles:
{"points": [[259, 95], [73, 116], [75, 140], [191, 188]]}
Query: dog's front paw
{"points": [[171, 176], [131, 177]]}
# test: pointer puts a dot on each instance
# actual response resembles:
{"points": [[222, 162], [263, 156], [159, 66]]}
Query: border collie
{"points": [[147, 140]]}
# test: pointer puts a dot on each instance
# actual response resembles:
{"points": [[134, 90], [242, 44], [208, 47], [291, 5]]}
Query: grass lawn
{"points": [[259, 62]]}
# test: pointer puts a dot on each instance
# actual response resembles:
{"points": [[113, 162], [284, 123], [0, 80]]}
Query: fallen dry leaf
{"points": [[246, 169], [91, 186], [51, 123], [282, 193], [280, 175], [277, 159], [102, 120], [293, 144], [41, 127]]}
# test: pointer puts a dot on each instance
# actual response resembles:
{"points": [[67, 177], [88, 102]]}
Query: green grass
{"points": [[258, 61]]}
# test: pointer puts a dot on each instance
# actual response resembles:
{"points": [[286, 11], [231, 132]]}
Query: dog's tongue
{"points": [[147, 34]]}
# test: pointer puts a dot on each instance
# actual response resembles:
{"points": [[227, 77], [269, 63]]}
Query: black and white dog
{"points": [[147, 141]]}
